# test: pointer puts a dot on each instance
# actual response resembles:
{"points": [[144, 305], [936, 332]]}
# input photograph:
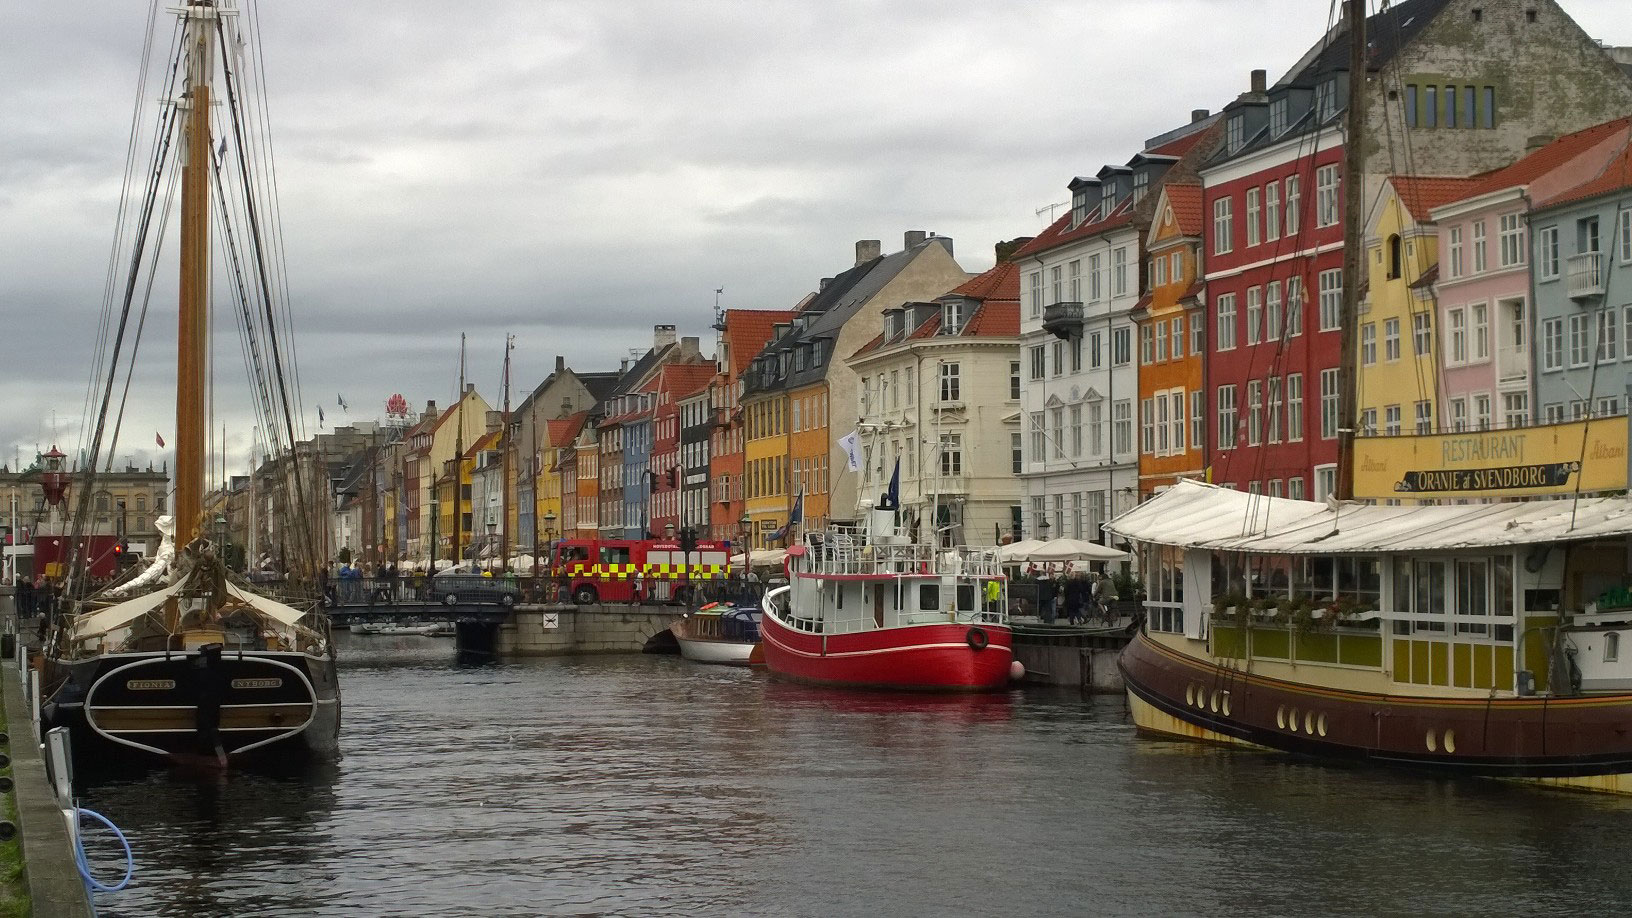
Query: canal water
{"points": [[643, 785]]}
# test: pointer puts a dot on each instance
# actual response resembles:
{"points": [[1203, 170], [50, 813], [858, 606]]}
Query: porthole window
{"points": [[1450, 740], [1292, 720], [1190, 695], [1320, 725], [1433, 744], [1309, 722], [1280, 716], [1225, 704], [1201, 698], [1214, 703]]}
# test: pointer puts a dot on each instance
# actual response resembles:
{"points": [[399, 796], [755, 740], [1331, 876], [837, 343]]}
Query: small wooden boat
{"points": [[718, 633]]}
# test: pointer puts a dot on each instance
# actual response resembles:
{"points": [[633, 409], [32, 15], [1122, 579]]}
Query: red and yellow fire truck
{"points": [[613, 570]]}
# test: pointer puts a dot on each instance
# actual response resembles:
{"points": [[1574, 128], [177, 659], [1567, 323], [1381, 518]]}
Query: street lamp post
{"points": [[747, 546]]}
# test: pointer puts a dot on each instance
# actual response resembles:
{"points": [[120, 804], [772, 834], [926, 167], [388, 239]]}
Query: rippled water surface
{"points": [[651, 786]]}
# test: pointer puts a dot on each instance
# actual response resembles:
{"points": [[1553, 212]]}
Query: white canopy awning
{"points": [[1195, 515], [1074, 550], [91, 624], [1018, 551], [765, 557]]}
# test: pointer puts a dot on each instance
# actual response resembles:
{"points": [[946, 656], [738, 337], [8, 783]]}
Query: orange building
{"points": [[743, 334], [1172, 336]]}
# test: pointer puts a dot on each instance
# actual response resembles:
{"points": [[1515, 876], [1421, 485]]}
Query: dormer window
{"points": [[1141, 184], [1079, 207], [951, 318], [1326, 99], [1277, 117], [1235, 133], [1107, 200], [799, 359]]}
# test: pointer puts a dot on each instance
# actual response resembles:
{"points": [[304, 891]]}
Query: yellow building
{"points": [[765, 464], [461, 425], [1398, 361]]}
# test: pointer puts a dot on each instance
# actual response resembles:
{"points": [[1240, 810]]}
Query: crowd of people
{"points": [[1078, 596]]}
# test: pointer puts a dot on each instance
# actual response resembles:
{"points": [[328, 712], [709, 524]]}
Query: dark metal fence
{"points": [[417, 588]]}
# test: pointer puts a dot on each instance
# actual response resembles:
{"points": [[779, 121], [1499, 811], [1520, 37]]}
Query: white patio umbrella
{"points": [[1019, 551], [1075, 550], [766, 557]]}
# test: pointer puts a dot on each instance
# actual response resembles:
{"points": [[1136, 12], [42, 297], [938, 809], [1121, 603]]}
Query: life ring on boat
{"points": [[977, 639]]}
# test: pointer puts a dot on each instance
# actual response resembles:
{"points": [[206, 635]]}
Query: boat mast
{"points": [[192, 337], [504, 470], [1353, 248], [459, 463]]}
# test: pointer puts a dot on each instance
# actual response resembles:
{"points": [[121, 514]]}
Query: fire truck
{"points": [[611, 570]]}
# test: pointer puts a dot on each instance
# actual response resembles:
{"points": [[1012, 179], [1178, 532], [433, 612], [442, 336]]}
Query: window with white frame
{"points": [[1479, 246], [1608, 324], [1175, 420], [1425, 417], [951, 390], [1039, 361], [1014, 380], [1515, 409], [1456, 343], [1368, 344], [1580, 346], [1178, 336], [1331, 299], [1119, 271], [1175, 267], [1121, 346], [1328, 404], [1147, 346], [1552, 344], [1547, 253], [1368, 422], [1094, 279], [1075, 344], [1391, 420], [1272, 311], [1226, 321], [1391, 340], [1277, 406], [1076, 430], [1624, 231], [1161, 341], [1294, 407], [1226, 417], [1510, 238], [1422, 336], [1479, 331], [1147, 426], [1453, 252], [1161, 424], [1096, 429], [1198, 419], [1221, 227], [1481, 411], [951, 455], [1059, 358], [1608, 406], [1326, 196], [1039, 439], [1198, 332], [1294, 487], [1036, 293], [1325, 481], [1056, 284], [1255, 314], [1459, 414], [1096, 350], [1272, 211], [1255, 412], [1158, 271], [1017, 461], [1252, 217], [1056, 417], [1122, 427], [1294, 307], [1294, 201]]}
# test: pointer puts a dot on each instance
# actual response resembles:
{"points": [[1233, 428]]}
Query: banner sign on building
{"points": [[1552, 459]]}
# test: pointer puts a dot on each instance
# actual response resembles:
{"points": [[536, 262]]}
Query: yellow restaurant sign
{"points": [[1522, 462]]}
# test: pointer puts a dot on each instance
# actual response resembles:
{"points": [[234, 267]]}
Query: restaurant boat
{"points": [[719, 632], [1481, 639], [871, 608], [185, 660]]}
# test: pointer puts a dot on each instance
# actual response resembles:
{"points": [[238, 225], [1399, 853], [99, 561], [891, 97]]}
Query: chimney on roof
{"points": [[1537, 141], [914, 237], [1198, 114], [691, 348], [1006, 250], [623, 366], [470, 387], [867, 250], [495, 420], [825, 282], [430, 408], [662, 336], [560, 364], [1260, 81]]}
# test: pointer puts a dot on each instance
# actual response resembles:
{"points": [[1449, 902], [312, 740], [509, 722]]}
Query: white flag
{"points": [[851, 444]]}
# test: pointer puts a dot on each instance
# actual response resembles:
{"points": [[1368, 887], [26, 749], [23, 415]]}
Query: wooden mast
{"points": [[459, 464], [504, 469], [1353, 248], [192, 337]]}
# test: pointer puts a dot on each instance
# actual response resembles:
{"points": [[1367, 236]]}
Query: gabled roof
{"points": [[1185, 199], [1422, 193], [682, 380], [484, 442], [1176, 147], [562, 431], [996, 315], [1555, 155], [1001, 282], [748, 330], [1061, 231], [1616, 175]]}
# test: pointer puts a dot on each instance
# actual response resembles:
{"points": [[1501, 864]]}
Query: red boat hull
{"points": [[939, 657]]}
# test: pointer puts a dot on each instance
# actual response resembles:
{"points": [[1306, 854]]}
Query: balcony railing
{"points": [[1063, 320], [1512, 363], [1585, 275]]}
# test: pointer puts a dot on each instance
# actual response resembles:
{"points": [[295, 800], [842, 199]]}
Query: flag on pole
{"points": [[320, 415], [158, 438], [892, 497], [851, 444], [793, 518], [342, 400]]}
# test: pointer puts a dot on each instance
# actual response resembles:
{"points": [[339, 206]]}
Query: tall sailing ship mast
{"points": [[183, 659]]}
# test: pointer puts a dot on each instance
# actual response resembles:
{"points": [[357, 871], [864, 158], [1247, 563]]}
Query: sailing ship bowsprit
{"points": [[184, 659]]}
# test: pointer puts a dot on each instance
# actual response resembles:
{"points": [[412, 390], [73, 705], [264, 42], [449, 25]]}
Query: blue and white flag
{"points": [[851, 444]]}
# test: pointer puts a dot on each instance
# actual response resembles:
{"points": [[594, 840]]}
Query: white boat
{"points": [[718, 633]]}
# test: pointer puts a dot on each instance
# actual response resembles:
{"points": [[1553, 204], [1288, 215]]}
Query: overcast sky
{"points": [[574, 172]]}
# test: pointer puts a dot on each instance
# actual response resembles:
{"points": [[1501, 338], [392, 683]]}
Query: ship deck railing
{"points": [[845, 552]]}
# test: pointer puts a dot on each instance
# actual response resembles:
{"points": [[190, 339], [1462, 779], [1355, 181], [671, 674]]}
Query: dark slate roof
{"points": [[1387, 32]]}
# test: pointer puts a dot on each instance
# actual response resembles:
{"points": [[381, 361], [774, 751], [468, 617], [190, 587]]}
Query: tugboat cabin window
{"points": [[966, 597], [929, 597]]}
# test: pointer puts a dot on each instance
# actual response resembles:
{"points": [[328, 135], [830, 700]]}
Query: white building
{"points": [[1080, 282], [941, 394]]}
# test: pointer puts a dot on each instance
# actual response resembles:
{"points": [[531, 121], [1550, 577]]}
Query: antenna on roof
{"points": [[1051, 208]]}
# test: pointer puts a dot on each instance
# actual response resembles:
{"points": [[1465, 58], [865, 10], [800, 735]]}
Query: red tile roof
{"points": [[1616, 175], [565, 430], [1423, 193], [1185, 199], [683, 380], [1548, 158], [747, 331], [1179, 146], [1000, 283], [485, 441], [994, 319]]}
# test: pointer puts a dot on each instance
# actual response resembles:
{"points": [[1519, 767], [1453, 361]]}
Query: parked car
{"points": [[452, 589]]}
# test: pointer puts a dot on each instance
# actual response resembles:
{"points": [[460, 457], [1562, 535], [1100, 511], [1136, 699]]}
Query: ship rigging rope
{"points": [[163, 143]]}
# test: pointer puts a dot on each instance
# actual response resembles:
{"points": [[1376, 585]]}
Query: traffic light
{"points": [[688, 541]]}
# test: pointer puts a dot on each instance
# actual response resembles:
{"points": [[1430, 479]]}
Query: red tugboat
{"points": [[870, 608]]}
